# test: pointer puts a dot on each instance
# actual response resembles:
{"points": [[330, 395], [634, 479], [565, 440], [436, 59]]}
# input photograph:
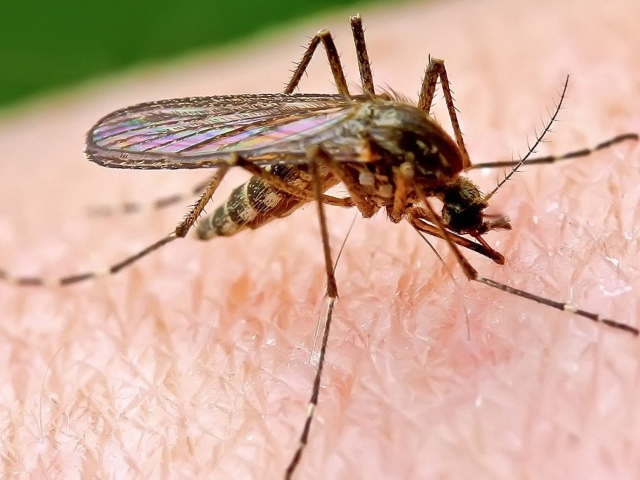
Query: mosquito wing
{"points": [[203, 132]]}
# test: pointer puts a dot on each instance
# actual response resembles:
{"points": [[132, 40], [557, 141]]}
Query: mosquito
{"points": [[388, 153]]}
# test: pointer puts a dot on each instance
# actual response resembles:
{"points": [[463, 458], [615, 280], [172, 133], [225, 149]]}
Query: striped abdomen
{"points": [[256, 202]]}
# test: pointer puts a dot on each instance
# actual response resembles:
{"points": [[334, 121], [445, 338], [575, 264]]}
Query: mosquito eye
{"points": [[463, 218]]}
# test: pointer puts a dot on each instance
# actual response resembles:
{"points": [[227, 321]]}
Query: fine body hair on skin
{"points": [[194, 362]]}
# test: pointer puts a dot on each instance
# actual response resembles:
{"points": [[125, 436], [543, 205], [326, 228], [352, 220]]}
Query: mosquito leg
{"points": [[362, 202], [333, 56], [283, 185], [337, 202], [364, 65], [157, 204], [434, 71], [472, 275], [403, 179], [416, 217], [180, 231], [366, 207], [585, 152], [316, 157]]}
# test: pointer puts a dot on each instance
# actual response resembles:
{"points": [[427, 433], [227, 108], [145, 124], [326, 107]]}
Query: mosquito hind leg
{"points": [[157, 204], [180, 231], [364, 65], [325, 37], [434, 71], [333, 56]]}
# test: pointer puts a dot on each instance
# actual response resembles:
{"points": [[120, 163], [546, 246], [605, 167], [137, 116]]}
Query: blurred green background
{"points": [[49, 45]]}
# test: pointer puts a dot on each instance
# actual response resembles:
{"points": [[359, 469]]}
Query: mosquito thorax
{"points": [[402, 132]]}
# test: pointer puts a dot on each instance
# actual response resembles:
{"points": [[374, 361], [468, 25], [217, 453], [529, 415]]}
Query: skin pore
{"points": [[194, 362]]}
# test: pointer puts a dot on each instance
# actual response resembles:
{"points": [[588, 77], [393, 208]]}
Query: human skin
{"points": [[194, 363]]}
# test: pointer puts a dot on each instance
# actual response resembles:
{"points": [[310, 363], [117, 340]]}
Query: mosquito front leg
{"points": [[434, 71], [417, 217], [585, 152], [472, 275]]}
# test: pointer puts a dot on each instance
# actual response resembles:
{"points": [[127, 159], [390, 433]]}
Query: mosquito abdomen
{"points": [[255, 203]]}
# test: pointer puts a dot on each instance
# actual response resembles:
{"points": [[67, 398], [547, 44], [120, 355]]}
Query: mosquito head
{"points": [[463, 208]]}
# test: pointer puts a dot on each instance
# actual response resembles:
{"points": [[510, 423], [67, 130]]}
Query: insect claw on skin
{"points": [[388, 153]]}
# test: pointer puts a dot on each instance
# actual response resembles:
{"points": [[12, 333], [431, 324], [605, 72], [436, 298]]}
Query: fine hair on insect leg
{"points": [[388, 153]]}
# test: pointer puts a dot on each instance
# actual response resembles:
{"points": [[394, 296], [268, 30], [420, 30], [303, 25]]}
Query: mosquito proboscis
{"points": [[388, 153]]}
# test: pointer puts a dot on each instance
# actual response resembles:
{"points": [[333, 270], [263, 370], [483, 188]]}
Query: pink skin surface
{"points": [[194, 363]]}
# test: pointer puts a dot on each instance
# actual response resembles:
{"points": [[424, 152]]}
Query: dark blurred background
{"points": [[45, 45]]}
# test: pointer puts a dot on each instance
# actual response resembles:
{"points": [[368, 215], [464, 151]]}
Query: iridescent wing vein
{"points": [[204, 132]]}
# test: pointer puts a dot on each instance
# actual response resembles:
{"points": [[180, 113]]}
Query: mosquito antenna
{"points": [[446, 267], [532, 149], [335, 266]]}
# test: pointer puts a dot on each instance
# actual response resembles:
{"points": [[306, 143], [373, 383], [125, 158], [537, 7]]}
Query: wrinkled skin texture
{"points": [[194, 362]]}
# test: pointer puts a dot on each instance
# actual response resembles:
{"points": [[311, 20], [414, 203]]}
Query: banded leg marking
{"points": [[180, 231], [157, 204], [585, 152]]}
